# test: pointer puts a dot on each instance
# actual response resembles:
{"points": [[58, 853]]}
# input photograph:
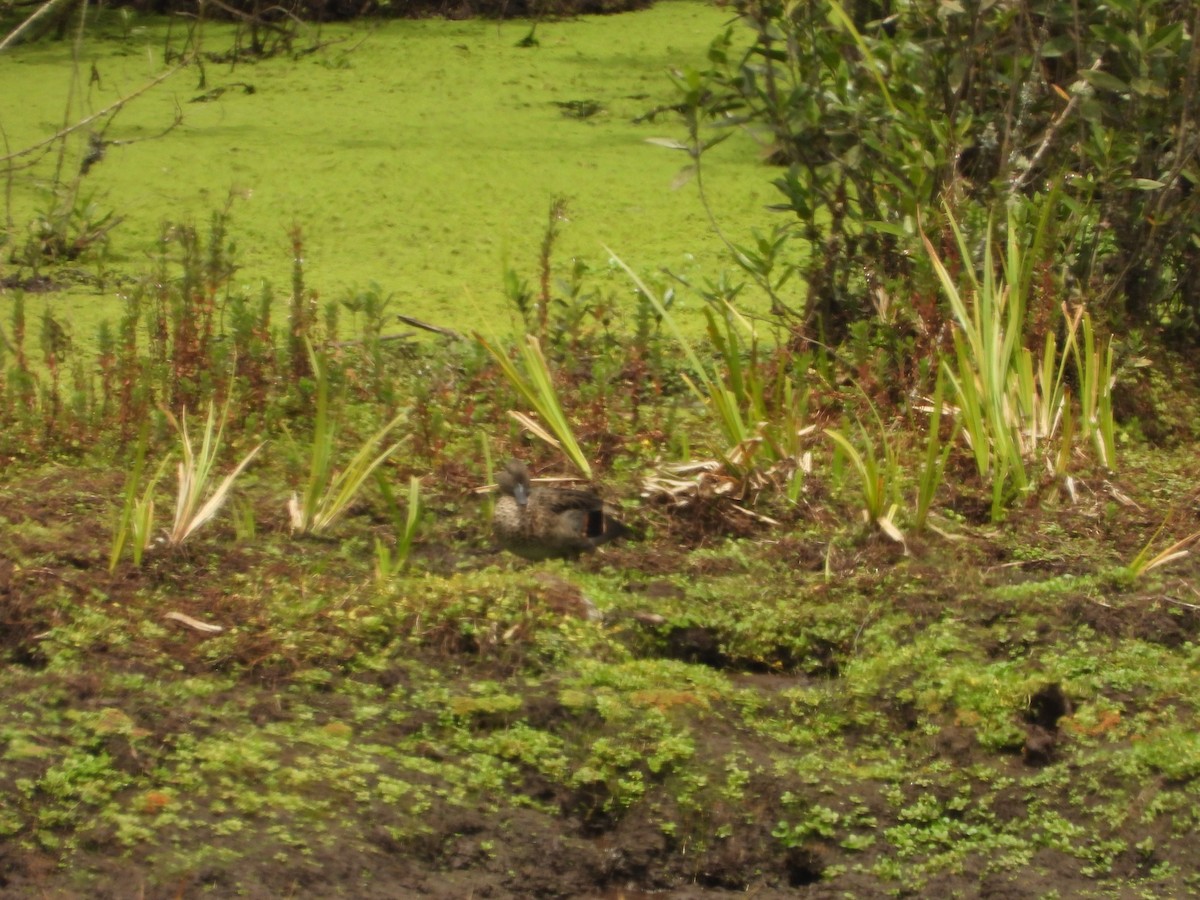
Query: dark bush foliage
{"points": [[886, 115]]}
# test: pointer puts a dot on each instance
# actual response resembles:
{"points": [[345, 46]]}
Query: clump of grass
{"points": [[536, 384], [135, 522], [877, 477], [1147, 560], [933, 467], [329, 492], [762, 421], [195, 502], [390, 561], [1015, 410]]}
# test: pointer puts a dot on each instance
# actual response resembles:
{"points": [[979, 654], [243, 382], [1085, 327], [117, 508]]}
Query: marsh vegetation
{"points": [[909, 463]]}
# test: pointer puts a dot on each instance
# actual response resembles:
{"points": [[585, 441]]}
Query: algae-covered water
{"points": [[419, 155]]}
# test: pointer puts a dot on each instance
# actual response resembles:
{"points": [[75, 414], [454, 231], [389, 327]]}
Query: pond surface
{"points": [[419, 155]]}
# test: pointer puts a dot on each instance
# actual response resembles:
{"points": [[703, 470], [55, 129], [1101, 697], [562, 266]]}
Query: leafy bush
{"points": [[882, 111]]}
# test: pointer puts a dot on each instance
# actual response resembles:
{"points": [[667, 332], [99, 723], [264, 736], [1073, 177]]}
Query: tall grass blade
{"points": [[194, 472], [747, 423], [1012, 403], [389, 562], [329, 493], [342, 487], [135, 525], [868, 473], [536, 385], [936, 455], [1144, 562], [877, 482], [129, 499]]}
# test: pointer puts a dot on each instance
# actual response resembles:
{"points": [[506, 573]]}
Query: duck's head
{"points": [[514, 481]]}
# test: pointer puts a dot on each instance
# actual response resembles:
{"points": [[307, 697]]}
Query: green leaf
{"points": [[1056, 47], [892, 228], [1165, 40], [1104, 81]]}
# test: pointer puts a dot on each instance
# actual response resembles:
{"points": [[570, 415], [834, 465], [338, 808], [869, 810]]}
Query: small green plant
{"points": [[389, 561], [936, 453], [877, 477], [244, 523], [302, 313], [1016, 410], [987, 352], [1096, 380], [70, 227], [192, 507], [135, 522], [757, 417], [818, 822], [557, 213], [536, 385], [518, 292], [328, 492], [1144, 562]]}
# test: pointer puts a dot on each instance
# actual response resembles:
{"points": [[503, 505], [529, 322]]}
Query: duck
{"points": [[543, 522]]}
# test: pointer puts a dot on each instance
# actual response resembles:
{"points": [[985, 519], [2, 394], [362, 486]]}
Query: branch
{"points": [[41, 11], [1051, 133], [436, 329]]}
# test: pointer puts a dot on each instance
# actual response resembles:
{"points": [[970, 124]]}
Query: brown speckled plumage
{"points": [[544, 522]]}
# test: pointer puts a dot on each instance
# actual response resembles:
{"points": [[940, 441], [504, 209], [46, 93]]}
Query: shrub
{"points": [[881, 112]]}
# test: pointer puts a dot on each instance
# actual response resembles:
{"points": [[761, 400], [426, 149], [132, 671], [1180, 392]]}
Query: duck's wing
{"points": [[560, 500], [583, 519]]}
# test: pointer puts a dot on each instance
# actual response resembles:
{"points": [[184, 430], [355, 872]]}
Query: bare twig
{"points": [[1181, 603], [1051, 133], [176, 122], [436, 329], [88, 120], [196, 624], [37, 14], [383, 339]]}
